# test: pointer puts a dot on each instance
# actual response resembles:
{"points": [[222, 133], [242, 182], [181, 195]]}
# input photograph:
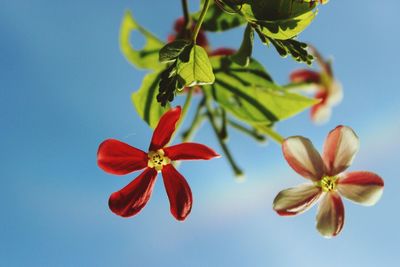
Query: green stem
{"points": [[196, 122], [200, 21], [185, 108], [186, 14], [186, 105], [228, 155], [271, 133], [252, 133]]}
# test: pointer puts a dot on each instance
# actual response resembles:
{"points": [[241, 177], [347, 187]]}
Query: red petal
{"points": [[222, 51], [201, 37], [365, 188], [116, 157], [188, 151], [171, 38], [301, 155], [321, 112], [305, 76], [132, 198], [330, 216], [179, 23], [165, 128], [296, 200], [340, 147], [178, 191]]}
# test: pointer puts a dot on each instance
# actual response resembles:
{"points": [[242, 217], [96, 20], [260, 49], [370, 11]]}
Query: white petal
{"points": [[364, 188], [335, 93], [321, 114], [340, 147], [330, 216], [301, 155], [296, 200]]}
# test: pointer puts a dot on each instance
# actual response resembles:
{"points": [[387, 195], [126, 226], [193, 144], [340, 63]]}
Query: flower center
{"points": [[157, 159], [328, 183]]}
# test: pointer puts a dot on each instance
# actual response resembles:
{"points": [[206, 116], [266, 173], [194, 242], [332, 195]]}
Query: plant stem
{"points": [[186, 14], [231, 161], [252, 133], [271, 133], [185, 108], [196, 122], [186, 105], [200, 21]]}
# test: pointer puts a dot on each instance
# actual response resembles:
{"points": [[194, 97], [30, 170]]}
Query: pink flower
{"points": [[324, 86], [329, 182], [118, 158]]}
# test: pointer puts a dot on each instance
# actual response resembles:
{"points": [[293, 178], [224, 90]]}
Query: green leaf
{"points": [[298, 50], [169, 83], [216, 20], [275, 10], [194, 67], [145, 101], [251, 96], [170, 52], [243, 55], [286, 29], [146, 58], [280, 19]]}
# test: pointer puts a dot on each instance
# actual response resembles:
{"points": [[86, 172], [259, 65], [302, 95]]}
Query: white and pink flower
{"points": [[323, 85], [329, 181]]}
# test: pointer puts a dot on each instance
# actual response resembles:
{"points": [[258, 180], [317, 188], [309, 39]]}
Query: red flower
{"points": [[325, 87], [222, 51], [118, 158], [329, 182], [178, 29]]}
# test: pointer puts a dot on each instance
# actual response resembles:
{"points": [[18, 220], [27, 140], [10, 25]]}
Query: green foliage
{"points": [[189, 67], [297, 49], [145, 101], [250, 94], [169, 83], [278, 22], [279, 19], [217, 20], [170, 52], [238, 91], [194, 67], [243, 55], [146, 58]]}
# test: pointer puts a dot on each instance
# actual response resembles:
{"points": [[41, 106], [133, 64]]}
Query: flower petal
{"points": [[330, 216], [340, 147], [296, 200], [165, 128], [222, 51], [188, 151], [301, 155], [178, 191], [335, 93], [116, 157], [305, 76], [132, 198], [365, 188], [321, 112]]}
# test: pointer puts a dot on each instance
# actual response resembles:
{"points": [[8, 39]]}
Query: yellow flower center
{"points": [[328, 183], [157, 159]]}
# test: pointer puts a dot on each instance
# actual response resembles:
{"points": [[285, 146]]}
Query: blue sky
{"points": [[65, 87]]}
